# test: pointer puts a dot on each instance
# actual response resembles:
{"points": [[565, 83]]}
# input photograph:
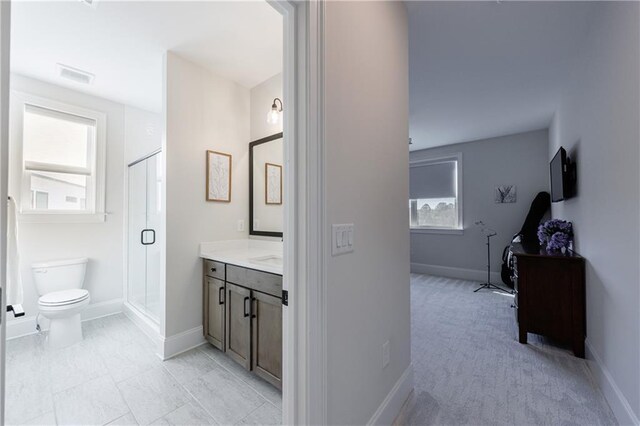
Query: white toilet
{"points": [[62, 298]]}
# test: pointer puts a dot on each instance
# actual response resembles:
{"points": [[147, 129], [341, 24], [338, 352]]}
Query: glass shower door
{"points": [[154, 203], [143, 225]]}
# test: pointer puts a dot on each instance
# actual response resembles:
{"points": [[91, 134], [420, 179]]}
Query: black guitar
{"points": [[528, 234]]}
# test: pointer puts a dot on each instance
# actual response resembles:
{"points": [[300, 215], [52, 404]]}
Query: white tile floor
{"points": [[113, 377]]}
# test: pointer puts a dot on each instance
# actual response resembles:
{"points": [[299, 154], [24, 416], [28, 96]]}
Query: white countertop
{"points": [[254, 254]]}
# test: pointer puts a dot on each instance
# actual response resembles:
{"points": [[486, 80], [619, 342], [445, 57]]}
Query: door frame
{"points": [[304, 319], [5, 35]]}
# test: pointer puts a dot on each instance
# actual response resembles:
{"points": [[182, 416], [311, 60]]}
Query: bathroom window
{"points": [[62, 161], [435, 195]]}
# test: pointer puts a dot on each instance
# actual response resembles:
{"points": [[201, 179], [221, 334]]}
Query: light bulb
{"points": [[273, 117]]}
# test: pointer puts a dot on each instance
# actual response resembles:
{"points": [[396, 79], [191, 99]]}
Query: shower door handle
{"points": [[142, 234]]}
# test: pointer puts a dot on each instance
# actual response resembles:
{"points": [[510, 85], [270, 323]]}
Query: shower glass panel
{"points": [[145, 180]]}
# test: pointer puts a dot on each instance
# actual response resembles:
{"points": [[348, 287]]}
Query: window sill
{"points": [[61, 217], [445, 231]]}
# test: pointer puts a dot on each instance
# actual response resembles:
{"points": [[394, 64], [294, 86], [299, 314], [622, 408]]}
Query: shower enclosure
{"points": [[144, 216]]}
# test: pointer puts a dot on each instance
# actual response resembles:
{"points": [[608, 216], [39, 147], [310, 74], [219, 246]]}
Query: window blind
{"points": [[436, 180]]}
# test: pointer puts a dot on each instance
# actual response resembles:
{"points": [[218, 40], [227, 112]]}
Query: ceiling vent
{"points": [[74, 74]]}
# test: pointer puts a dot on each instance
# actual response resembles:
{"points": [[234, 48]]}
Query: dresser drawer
{"points": [[214, 269], [256, 280]]}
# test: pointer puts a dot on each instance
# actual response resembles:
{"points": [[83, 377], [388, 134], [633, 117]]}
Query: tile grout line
{"points": [[125, 402], [248, 414], [192, 395], [115, 383], [242, 380]]}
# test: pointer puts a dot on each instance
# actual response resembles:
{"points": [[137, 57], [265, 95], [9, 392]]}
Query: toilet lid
{"points": [[64, 297]]}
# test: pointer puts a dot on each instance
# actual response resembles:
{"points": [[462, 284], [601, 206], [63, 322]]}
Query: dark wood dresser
{"points": [[550, 295]]}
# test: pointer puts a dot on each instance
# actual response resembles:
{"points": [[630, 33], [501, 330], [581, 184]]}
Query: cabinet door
{"points": [[238, 324], [215, 312], [267, 338]]}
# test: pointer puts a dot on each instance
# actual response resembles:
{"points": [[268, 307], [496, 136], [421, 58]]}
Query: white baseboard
{"points": [[393, 404], [616, 399], [458, 273], [403, 417], [27, 325], [182, 342]]}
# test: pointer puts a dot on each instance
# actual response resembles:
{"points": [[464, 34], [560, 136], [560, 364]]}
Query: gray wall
{"points": [[597, 123], [519, 159], [366, 151]]}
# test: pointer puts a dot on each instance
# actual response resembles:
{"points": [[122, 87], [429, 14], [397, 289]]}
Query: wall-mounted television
{"points": [[563, 176]]}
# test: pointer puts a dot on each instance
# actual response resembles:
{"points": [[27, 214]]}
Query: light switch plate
{"points": [[240, 225], [342, 239]]}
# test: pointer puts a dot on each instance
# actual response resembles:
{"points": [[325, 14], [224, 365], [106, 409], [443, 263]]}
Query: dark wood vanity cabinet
{"points": [[549, 292], [238, 331], [214, 299], [266, 357], [243, 317]]}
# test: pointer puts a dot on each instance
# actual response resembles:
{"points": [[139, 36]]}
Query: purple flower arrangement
{"points": [[555, 235]]}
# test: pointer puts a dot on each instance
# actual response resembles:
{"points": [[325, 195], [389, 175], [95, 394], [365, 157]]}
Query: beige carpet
{"points": [[470, 370]]}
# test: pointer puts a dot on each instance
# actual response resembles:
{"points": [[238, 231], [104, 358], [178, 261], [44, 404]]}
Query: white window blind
{"points": [[63, 160]]}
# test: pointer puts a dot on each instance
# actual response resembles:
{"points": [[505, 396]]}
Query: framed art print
{"points": [[273, 183], [218, 176]]}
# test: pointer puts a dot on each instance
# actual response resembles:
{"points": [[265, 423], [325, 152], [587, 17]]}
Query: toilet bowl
{"points": [[62, 298]]}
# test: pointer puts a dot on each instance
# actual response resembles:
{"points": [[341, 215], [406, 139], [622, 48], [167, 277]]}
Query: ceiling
{"points": [[123, 43], [486, 69]]}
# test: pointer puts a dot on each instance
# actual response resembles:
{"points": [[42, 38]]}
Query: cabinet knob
{"points": [[213, 269]]}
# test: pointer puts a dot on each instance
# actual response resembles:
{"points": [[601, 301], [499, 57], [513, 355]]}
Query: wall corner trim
{"points": [[612, 393], [182, 342], [394, 404]]}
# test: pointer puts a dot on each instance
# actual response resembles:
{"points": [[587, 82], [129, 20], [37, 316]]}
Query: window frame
{"points": [[459, 228], [96, 182]]}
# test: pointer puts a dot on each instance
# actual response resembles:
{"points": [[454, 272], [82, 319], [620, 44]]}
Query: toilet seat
{"points": [[63, 298]]}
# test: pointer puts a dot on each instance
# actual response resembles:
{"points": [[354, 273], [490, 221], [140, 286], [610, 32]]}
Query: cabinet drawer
{"points": [[214, 269], [256, 280]]}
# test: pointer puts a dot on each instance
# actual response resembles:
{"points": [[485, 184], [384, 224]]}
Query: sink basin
{"points": [[268, 260]]}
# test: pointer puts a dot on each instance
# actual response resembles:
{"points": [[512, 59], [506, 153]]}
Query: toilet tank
{"points": [[58, 275]]}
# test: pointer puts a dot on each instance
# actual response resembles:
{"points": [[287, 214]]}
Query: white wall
{"points": [[143, 133], [520, 160], [101, 242], [366, 178], [597, 123], [262, 97], [203, 111]]}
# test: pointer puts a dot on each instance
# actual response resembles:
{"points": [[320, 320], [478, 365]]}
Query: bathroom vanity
{"points": [[242, 309]]}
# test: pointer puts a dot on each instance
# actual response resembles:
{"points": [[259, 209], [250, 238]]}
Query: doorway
{"points": [[291, 156]]}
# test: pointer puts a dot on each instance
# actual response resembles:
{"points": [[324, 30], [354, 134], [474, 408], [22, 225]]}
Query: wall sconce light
{"points": [[274, 115]]}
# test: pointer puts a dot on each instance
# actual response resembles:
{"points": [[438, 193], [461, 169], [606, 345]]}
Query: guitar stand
{"points": [[488, 285]]}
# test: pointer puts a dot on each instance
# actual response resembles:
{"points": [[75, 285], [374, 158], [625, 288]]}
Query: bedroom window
{"points": [[435, 194], [62, 162]]}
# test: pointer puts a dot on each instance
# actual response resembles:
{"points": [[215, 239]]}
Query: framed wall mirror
{"points": [[266, 210]]}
